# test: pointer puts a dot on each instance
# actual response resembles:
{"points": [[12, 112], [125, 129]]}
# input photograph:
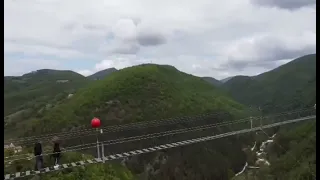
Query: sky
{"points": [[216, 38]]}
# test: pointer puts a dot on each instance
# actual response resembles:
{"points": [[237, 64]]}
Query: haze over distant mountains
{"points": [[102, 74]]}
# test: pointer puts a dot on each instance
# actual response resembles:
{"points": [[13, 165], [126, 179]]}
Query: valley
{"points": [[64, 102]]}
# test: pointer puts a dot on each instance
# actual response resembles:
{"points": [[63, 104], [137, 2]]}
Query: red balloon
{"points": [[95, 123]]}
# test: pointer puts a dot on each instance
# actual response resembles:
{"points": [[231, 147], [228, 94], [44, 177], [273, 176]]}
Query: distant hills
{"points": [[102, 74], [48, 101], [41, 85], [226, 79], [212, 81], [151, 92], [49, 87], [32, 94], [148, 88], [289, 86]]}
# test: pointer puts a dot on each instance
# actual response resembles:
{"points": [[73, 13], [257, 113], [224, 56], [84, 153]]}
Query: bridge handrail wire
{"points": [[117, 128], [152, 149], [153, 135], [135, 138]]}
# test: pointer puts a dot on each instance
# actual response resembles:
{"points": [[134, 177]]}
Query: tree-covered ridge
{"points": [[297, 157], [145, 92], [30, 95], [289, 86], [292, 155], [151, 92]]}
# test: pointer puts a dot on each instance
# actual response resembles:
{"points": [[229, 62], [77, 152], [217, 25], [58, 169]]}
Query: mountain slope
{"points": [[292, 155], [25, 96], [226, 79], [102, 74], [143, 92], [296, 158], [149, 92], [289, 86], [212, 81]]}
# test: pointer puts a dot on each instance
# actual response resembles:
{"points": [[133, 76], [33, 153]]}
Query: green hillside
{"points": [[150, 92], [292, 155], [289, 86], [285, 88], [297, 157], [139, 93], [34, 93]]}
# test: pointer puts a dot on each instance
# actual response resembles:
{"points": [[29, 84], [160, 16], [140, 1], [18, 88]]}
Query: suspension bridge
{"points": [[115, 128], [136, 152]]}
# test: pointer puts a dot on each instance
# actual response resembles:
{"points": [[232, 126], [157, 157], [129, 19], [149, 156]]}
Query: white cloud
{"points": [[125, 29], [204, 37], [264, 48], [35, 49], [285, 4]]}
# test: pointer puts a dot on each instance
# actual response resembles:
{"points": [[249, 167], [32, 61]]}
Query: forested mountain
{"points": [[151, 92], [44, 83], [30, 95], [289, 86], [139, 93], [226, 79], [102, 74]]}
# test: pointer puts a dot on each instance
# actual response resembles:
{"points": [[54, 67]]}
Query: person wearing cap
{"points": [[38, 155]]}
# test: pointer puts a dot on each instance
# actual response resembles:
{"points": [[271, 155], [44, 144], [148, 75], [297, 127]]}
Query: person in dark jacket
{"points": [[56, 153], [38, 156]]}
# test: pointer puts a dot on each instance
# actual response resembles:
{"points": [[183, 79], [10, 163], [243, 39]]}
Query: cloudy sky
{"points": [[217, 38]]}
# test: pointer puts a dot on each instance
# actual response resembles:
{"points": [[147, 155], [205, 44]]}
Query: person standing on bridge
{"points": [[38, 155], [56, 151]]}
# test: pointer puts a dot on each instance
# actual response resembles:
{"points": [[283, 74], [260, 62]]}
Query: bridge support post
{"points": [[102, 152], [260, 120], [260, 116], [98, 149]]}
